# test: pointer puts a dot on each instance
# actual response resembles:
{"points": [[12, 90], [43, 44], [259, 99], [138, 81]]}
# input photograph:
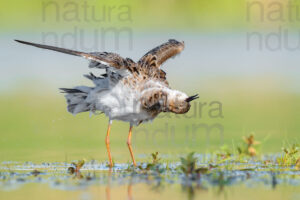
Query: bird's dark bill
{"points": [[191, 98]]}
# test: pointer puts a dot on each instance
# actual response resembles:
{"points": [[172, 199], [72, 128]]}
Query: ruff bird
{"points": [[129, 91]]}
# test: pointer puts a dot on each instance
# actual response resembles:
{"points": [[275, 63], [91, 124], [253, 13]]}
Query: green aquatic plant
{"points": [[223, 154], [188, 165], [75, 169], [152, 167], [249, 147], [35, 172], [155, 165], [155, 158], [297, 166], [290, 156]]}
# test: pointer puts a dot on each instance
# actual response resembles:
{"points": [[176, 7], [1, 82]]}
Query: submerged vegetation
{"points": [[194, 172]]}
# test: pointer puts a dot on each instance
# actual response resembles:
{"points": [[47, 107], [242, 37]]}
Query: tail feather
{"points": [[76, 99], [98, 80], [70, 90]]}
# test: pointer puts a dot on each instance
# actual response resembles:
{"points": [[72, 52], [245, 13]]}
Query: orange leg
{"points": [[107, 145], [129, 145]]}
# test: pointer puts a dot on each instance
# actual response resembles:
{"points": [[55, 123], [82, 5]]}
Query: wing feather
{"points": [[164, 52], [98, 59]]}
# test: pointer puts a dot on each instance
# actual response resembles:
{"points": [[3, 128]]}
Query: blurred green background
{"points": [[257, 87]]}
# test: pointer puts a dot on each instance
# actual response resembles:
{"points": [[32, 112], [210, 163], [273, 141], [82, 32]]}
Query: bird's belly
{"points": [[133, 114], [122, 104], [133, 118]]}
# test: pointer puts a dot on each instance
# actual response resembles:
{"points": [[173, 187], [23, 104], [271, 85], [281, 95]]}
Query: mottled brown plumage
{"points": [[164, 51], [147, 68], [129, 91]]}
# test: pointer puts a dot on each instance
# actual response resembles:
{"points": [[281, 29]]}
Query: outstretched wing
{"points": [[98, 59], [163, 52]]}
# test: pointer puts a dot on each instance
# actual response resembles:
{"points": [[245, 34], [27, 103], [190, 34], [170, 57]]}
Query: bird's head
{"points": [[179, 102]]}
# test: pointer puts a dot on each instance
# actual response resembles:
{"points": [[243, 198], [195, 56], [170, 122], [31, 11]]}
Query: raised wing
{"points": [[98, 59], [163, 52]]}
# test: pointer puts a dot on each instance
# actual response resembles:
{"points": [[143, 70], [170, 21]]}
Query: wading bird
{"points": [[129, 91]]}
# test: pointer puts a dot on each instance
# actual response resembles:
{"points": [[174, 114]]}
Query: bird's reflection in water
{"points": [[129, 189], [108, 187], [192, 186]]}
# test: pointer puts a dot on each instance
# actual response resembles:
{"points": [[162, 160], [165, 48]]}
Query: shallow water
{"points": [[250, 180]]}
